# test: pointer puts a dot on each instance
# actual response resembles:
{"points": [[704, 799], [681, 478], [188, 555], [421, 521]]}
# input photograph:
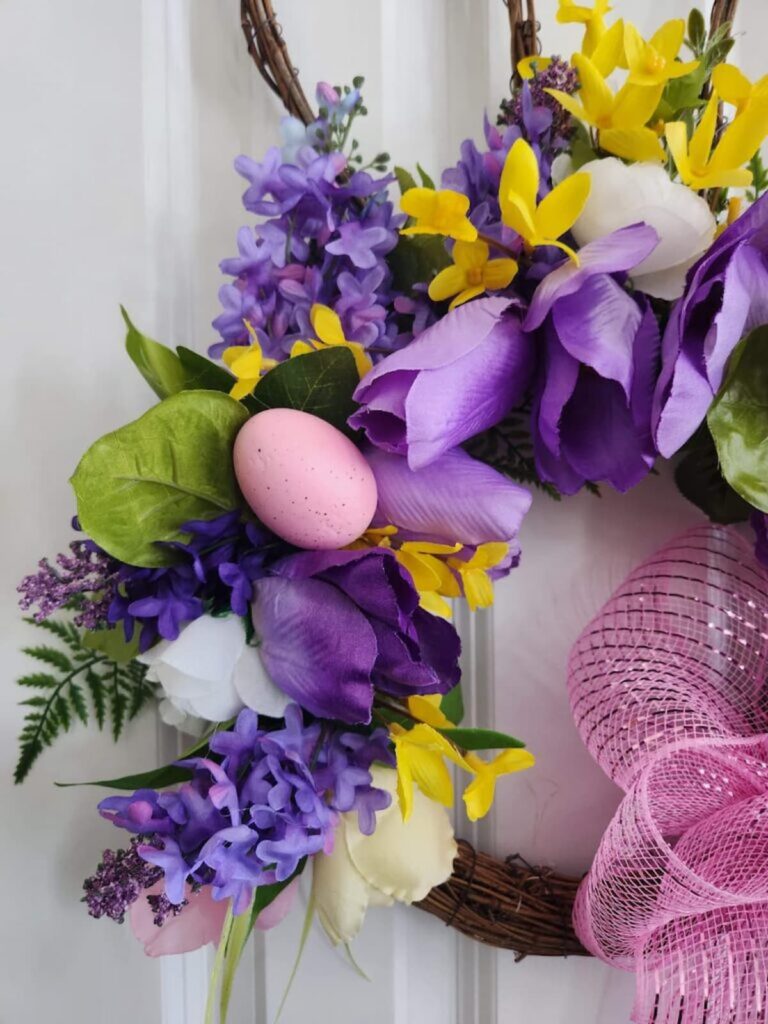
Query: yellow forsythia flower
{"points": [[246, 363], [733, 86], [471, 274], [653, 63], [327, 326], [699, 166], [539, 223], [479, 794], [442, 212], [420, 754], [592, 18], [476, 583], [620, 118]]}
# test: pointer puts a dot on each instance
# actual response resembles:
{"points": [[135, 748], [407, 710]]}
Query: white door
{"points": [[119, 125]]}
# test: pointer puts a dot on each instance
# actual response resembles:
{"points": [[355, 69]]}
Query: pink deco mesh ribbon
{"points": [[668, 689]]}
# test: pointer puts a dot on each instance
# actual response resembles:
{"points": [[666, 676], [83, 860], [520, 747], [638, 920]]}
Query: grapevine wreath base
{"points": [[508, 903]]}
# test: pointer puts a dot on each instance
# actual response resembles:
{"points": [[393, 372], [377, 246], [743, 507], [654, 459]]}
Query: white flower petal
{"points": [[341, 894], [401, 859], [255, 688], [628, 194], [207, 648]]}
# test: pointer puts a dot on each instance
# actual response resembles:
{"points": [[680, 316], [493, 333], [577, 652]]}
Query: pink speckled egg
{"points": [[304, 479]]}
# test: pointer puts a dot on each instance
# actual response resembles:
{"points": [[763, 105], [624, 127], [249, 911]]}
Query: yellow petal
{"points": [[635, 105], [529, 66], [466, 295], [517, 215], [479, 794], [326, 325], [676, 134], [668, 39], [701, 141], [741, 139], [427, 709], [433, 603], [634, 46], [363, 361], [490, 554], [470, 255], [515, 759], [424, 576], [731, 84], [418, 202], [569, 103], [301, 348], [431, 547], [739, 177], [243, 387], [450, 281], [609, 52], [561, 208], [520, 176], [639, 144], [499, 274], [478, 589], [248, 363], [595, 94]]}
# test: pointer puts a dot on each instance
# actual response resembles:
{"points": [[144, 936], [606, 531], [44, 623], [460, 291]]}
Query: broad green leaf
{"points": [[138, 484], [159, 366], [426, 181], [320, 383], [738, 420], [416, 260], [405, 179], [203, 374], [481, 739], [112, 642], [452, 705], [699, 479]]}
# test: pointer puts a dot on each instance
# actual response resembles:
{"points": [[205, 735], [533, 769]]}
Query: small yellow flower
{"points": [[471, 274], [420, 754], [327, 326], [592, 18], [530, 66], [620, 118], [476, 583], [442, 212], [479, 794], [699, 166], [539, 223], [246, 363], [431, 577], [374, 537], [653, 63], [733, 86]]}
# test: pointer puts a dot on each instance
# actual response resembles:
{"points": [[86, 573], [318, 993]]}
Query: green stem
{"points": [[496, 245]]}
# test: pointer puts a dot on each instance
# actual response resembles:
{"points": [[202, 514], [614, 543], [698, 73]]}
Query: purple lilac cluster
{"points": [[215, 570], [84, 579], [120, 879], [327, 230], [250, 818]]}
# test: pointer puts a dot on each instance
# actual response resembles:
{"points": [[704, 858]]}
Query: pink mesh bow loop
{"points": [[669, 693]]}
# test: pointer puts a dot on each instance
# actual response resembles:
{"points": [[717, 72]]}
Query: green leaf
{"points": [[426, 181], [320, 383], [697, 30], [738, 420], [112, 643], [218, 967], [404, 179], [416, 260], [51, 656], [699, 479], [683, 93], [155, 778], [203, 374], [481, 739], [159, 366], [452, 705], [138, 484]]}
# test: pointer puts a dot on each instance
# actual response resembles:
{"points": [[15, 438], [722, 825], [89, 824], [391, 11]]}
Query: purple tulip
{"points": [[459, 377], [334, 625], [592, 401], [726, 296]]}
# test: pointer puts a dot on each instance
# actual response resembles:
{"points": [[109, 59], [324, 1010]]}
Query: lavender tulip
{"points": [[459, 377], [592, 401], [334, 625], [725, 298]]}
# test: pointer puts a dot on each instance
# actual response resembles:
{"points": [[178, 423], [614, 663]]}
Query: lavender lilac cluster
{"points": [[250, 818], [215, 571], [327, 230]]}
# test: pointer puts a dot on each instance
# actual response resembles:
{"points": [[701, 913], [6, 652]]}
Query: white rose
{"points": [[624, 194], [400, 861], [210, 672]]}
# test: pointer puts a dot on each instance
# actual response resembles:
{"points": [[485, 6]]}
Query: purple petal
{"points": [[455, 499], [617, 252], [560, 373], [316, 646]]}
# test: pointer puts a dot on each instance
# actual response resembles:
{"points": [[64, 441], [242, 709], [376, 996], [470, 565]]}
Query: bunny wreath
{"points": [[506, 903]]}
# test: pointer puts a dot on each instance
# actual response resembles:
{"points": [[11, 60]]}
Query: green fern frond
{"points": [[82, 684]]}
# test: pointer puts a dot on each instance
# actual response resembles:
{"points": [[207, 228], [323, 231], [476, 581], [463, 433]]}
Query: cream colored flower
{"points": [[401, 861]]}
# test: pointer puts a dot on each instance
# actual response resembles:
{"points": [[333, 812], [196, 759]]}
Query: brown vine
{"points": [[503, 903]]}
